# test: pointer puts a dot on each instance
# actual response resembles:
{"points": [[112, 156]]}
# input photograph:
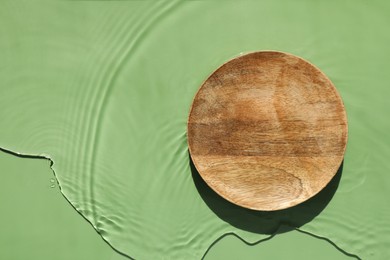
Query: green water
{"points": [[293, 245], [38, 223], [103, 89]]}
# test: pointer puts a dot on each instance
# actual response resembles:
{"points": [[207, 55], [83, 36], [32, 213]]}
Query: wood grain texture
{"points": [[267, 130]]}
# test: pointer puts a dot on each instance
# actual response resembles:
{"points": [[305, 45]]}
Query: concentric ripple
{"points": [[103, 89]]}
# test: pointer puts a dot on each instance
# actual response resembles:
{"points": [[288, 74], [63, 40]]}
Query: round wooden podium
{"points": [[267, 130]]}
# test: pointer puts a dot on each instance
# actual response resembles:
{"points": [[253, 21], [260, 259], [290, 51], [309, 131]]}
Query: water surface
{"points": [[103, 89]]}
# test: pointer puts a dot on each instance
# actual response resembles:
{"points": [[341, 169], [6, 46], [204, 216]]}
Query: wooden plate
{"points": [[267, 130]]}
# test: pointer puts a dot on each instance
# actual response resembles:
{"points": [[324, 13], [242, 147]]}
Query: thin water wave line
{"points": [[111, 82], [92, 96], [91, 93], [237, 236], [51, 165], [272, 236], [330, 242], [51, 161]]}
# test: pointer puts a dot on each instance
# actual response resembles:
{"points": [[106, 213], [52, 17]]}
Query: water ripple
{"points": [[103, 90]]}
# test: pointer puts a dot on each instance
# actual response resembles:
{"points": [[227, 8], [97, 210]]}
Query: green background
{"points": [[103, 89], [38, 223]]}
